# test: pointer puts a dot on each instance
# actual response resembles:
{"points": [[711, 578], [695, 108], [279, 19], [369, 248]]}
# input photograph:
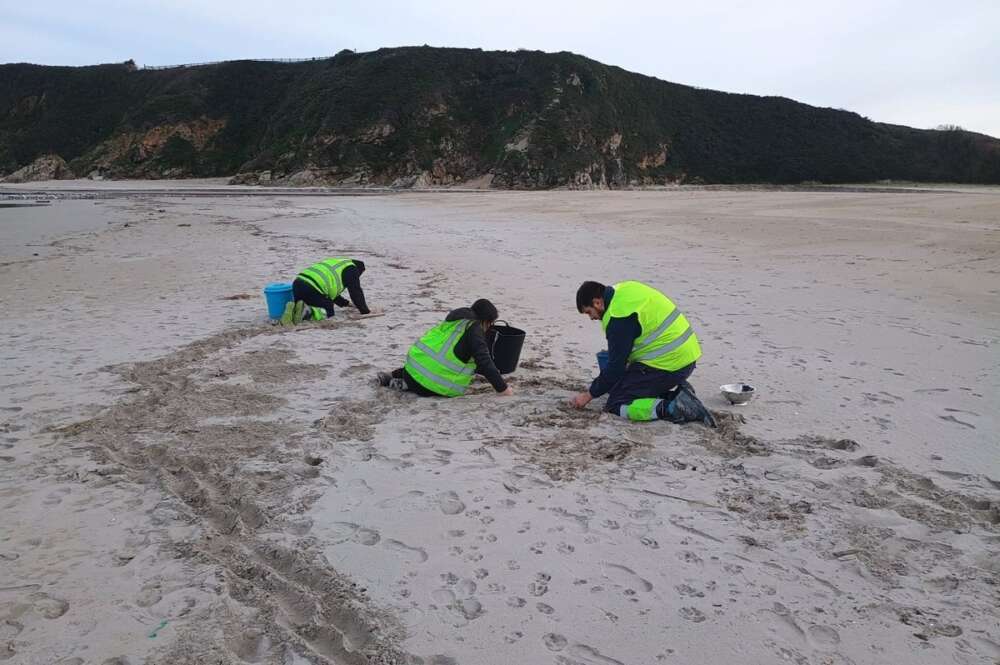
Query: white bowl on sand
{"points": [[738, 393]]}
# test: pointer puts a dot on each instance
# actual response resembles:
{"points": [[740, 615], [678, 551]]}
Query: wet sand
{"points": [[183, 483]]}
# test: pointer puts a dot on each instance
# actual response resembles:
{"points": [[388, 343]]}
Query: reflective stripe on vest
{"points": [[327, 276], [667, 322], [442, 357], [667, 340], [436, 370], [676, 344]]}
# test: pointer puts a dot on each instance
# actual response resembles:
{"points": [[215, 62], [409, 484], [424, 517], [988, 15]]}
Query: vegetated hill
{"points": [[425, 115]]}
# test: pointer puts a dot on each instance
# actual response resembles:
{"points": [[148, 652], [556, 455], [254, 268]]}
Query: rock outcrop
{"points": [[46, 167]]}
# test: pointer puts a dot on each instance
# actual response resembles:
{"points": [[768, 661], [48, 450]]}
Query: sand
{"points": [[181, 482]]}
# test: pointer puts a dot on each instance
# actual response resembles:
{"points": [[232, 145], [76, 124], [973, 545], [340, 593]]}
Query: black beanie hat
{"points": [[485, 311]]}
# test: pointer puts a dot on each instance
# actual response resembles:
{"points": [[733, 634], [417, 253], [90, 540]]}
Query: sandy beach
{"points": [[182, 482]]}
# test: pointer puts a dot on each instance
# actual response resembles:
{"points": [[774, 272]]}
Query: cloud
{"points": [[893, 61]]}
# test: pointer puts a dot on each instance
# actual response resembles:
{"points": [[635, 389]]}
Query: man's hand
{"points": [[580, 400], [507, 393]]}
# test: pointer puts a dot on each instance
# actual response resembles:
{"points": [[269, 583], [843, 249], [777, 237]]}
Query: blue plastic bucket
{"points": [[277, 295], [602, 360]]}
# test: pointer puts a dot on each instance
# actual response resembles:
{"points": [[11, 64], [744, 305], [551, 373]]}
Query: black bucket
{"points": [[505, 342]]}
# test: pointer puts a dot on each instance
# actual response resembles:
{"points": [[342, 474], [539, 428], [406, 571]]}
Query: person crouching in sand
{"points": [[443, 361], [317, 290], [652, 351]]}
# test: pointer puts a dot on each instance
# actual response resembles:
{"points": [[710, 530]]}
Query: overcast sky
{"points": [[910, 62]]}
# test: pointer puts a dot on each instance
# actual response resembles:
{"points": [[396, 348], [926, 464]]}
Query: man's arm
{"points": [[621, 334], [341, 301], [484, 361], [352, 280]]}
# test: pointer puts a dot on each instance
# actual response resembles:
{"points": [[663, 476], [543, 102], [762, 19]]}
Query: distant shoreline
{"points": [[216, 187]]}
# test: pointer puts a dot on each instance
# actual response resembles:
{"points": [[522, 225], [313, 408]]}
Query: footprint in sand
{"points": [[823, 636], [843, 444], [449, 503], [344, 532], [688, 556], [554, 641], [411, 554], [785, 625], [588, 655], [540, 586], [824, 462], [867, 461], [628, 575], [149, 596], [47, 606], [687, 590], [443, 596], [470, 608], [692, 614], [544, 609]]}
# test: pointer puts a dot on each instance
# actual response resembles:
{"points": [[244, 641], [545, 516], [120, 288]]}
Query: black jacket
{"points": [[352, 281], [472, 345]]}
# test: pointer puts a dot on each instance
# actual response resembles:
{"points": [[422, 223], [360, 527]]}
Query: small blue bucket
{"points": [[602, 360], [277, 295]]}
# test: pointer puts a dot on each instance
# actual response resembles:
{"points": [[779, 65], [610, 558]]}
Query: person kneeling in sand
{"points": [[318, 288], [652, 351], [443, 361]]}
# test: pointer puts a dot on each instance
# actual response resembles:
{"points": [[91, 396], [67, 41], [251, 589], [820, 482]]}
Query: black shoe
{"points": [[685, 408], [383, 379]]}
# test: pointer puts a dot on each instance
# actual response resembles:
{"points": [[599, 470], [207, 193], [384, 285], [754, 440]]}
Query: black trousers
{"points": [[411, 383], [644, 381], [306, 292]]}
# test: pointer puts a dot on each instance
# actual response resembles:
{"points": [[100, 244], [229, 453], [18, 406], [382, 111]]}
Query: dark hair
{"points": [[587, 292], [360, 265], [485, 311]]}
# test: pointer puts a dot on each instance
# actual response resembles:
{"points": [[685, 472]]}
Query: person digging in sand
{"points": [[443, 361], [652, 351], [318, 288]]}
